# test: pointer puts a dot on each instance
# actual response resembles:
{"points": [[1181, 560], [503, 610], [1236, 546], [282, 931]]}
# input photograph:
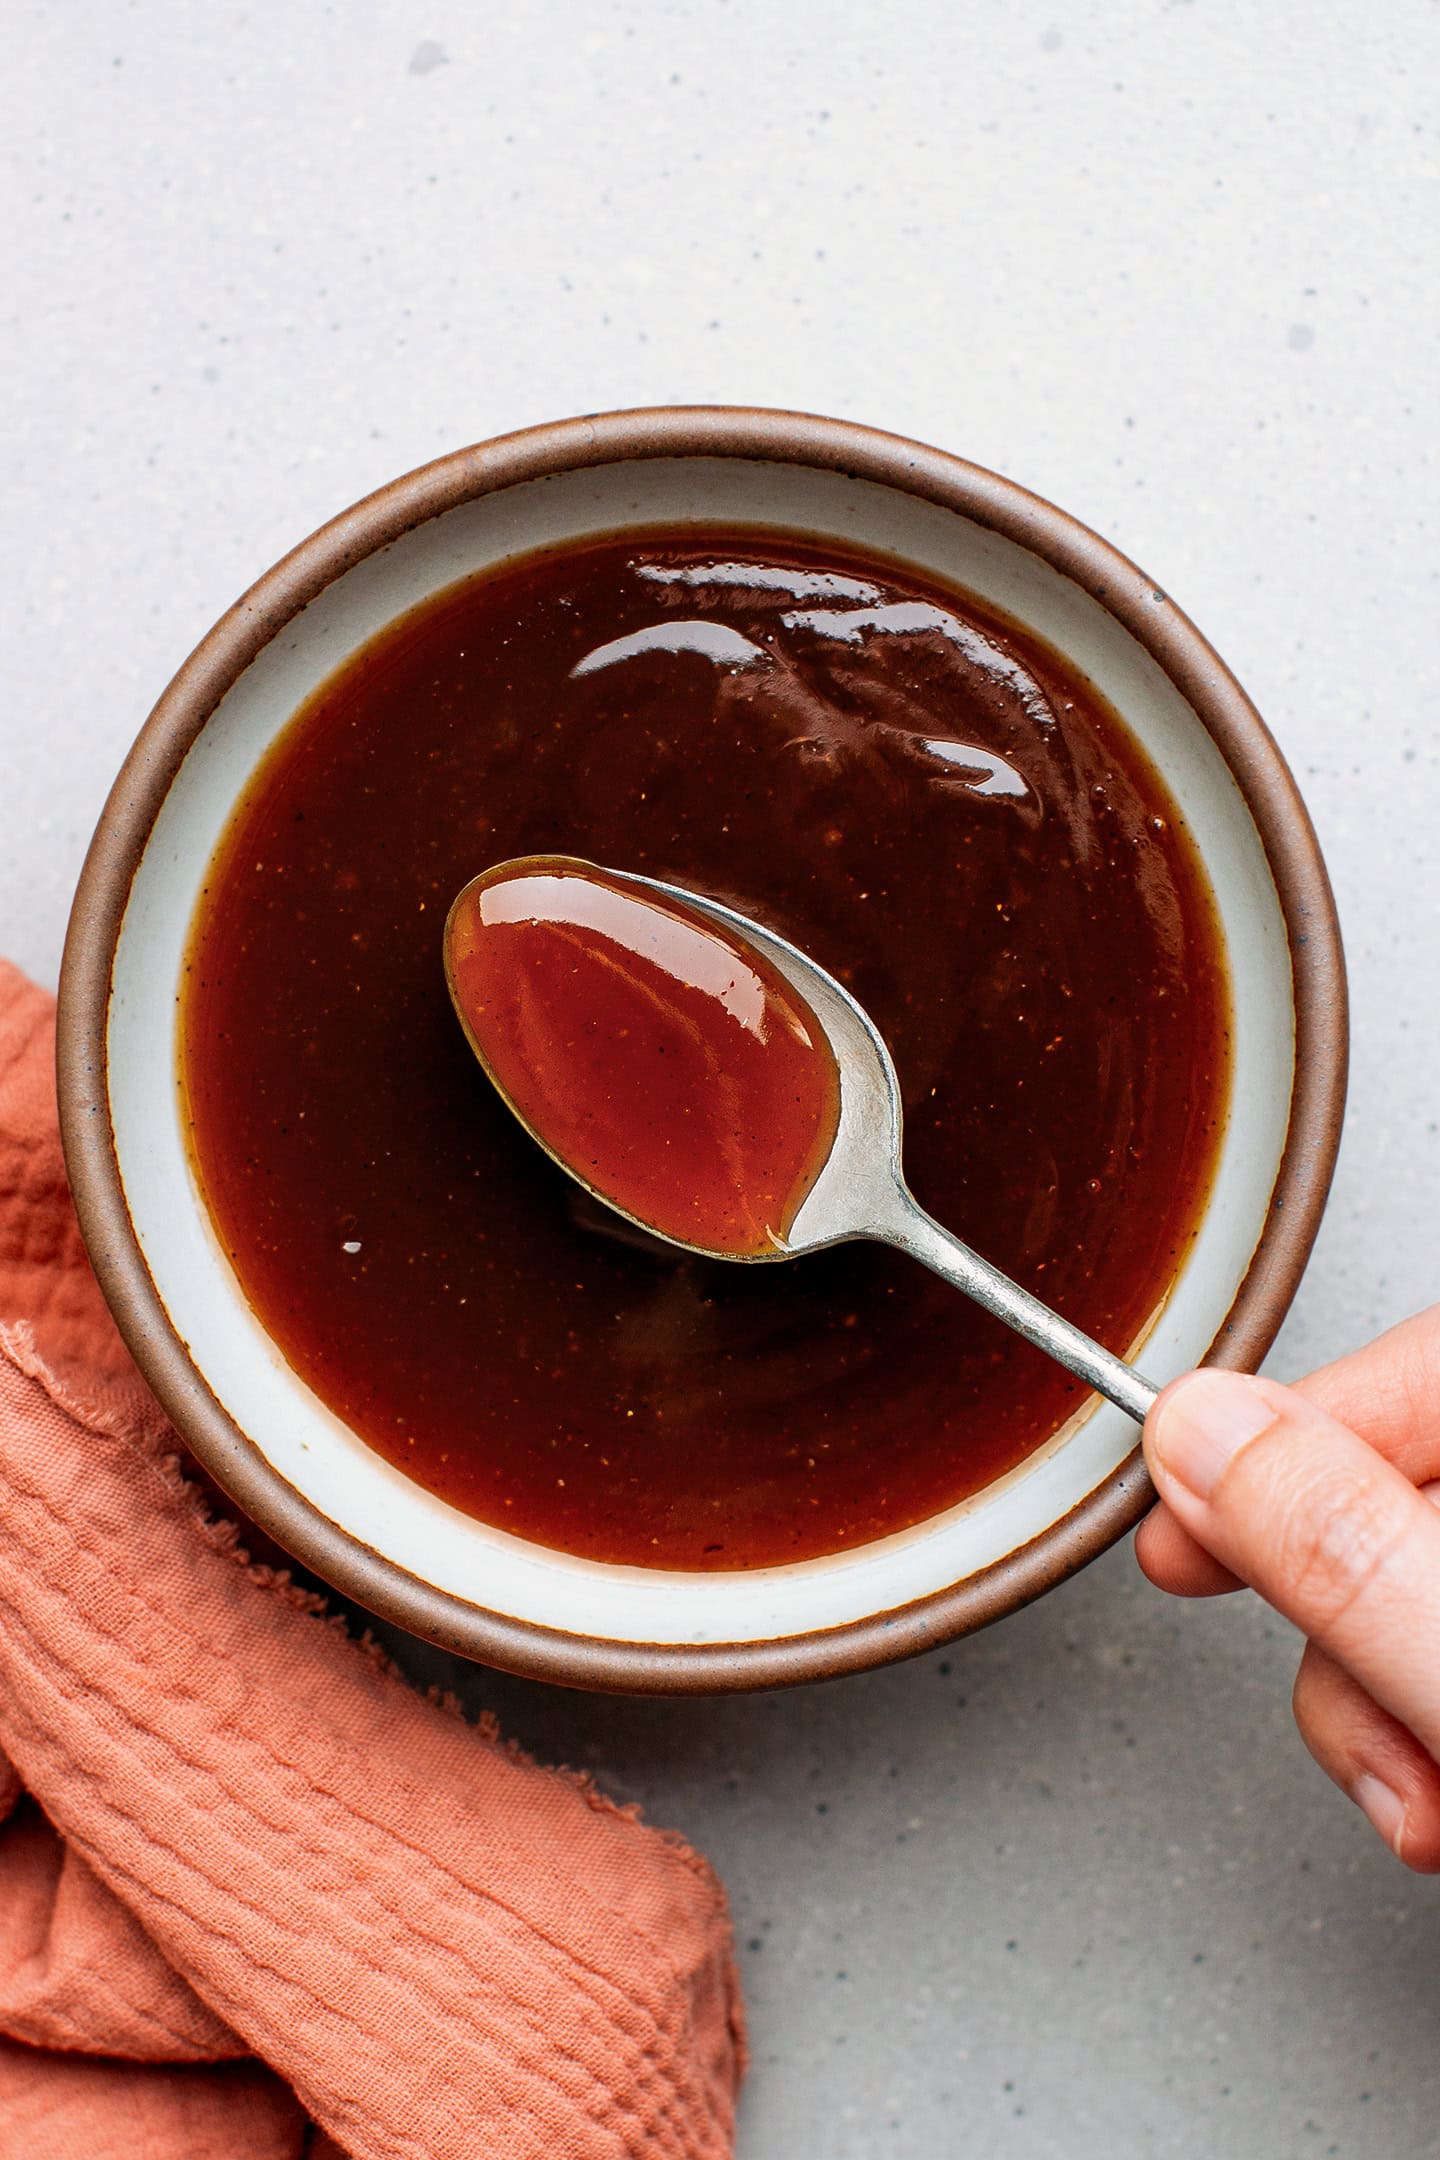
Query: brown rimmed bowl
{"points": [[286, 1459]]}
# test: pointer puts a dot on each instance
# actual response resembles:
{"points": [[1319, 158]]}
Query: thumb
{"points": [[1327, 1530]]}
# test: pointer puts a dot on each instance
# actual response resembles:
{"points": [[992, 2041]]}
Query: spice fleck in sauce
{"points": [[919, 795], [661, 1059]]}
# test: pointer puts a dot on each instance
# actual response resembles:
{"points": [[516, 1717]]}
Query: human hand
{"points": [[1325, 1498]]}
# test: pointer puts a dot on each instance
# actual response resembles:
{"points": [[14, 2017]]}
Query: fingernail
{"points": [[1385, 1808], [1203, 1426]]}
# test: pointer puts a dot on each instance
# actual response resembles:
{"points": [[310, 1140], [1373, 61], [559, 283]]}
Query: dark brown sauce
{"points": [[881, 769], [661, 1059]]}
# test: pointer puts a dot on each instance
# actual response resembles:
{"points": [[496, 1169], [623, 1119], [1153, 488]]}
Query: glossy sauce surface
{"points": [[663, 1061], [912, 790]]}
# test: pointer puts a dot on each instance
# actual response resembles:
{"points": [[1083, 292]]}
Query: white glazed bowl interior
{"points": [[311, 1448]]}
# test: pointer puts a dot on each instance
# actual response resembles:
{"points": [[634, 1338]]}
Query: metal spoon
{"points": [[860, 1191]]}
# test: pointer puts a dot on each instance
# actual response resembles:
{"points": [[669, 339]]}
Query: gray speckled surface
{"points": [[1073, 1888]]}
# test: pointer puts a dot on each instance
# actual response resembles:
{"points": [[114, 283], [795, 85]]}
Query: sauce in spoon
{"points": [[668, 1065]]}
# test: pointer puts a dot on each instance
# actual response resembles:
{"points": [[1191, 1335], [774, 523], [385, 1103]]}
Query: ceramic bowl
{"points": [[288, 1460]]}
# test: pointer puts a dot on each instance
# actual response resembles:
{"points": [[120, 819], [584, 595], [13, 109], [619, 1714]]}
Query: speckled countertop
{"points": [[1072, 1889]]}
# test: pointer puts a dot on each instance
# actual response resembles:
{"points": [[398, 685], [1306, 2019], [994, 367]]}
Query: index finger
{"points": [[1389, 1393]]}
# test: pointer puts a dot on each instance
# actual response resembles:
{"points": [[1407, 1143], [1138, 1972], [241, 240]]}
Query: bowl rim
{"points": [[357, 1570]]}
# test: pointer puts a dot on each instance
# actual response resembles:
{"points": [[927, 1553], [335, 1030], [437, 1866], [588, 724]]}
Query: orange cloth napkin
{"points": [[257, 1895]]}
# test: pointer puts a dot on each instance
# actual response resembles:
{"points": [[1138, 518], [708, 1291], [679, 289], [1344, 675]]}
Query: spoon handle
{"points": [[918, 1234]]}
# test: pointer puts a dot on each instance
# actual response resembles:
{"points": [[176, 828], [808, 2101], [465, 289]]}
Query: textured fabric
{"points": [[255, 1893]]}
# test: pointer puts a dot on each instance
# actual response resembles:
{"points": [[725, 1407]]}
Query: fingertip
{"points": [[1175, 1562], [1418, 1844], [1373, 1758], [1201, 1422], [1150, 1549], [1407, 1821], [1421, 1859], [1383, 1807]]}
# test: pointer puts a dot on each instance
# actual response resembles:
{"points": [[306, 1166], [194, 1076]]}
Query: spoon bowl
{"points": [[858, 1189]]}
